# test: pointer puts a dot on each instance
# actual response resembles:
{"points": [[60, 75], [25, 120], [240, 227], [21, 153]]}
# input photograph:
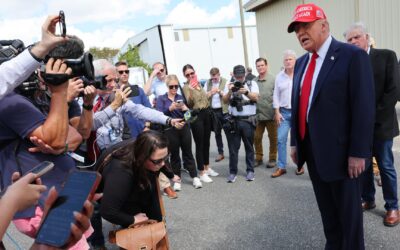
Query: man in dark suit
{"points": [[332, 124], [386, 76]]}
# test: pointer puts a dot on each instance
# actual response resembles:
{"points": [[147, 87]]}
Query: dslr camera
{"points": [[237, 99]]}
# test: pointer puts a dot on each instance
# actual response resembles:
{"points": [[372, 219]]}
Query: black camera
{"points": [[236, 86], [99, 82], [82, 66], [10, 49]]}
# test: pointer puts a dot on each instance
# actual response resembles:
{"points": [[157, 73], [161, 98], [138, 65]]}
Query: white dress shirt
{"points": [[282, 91], [318, 64]]}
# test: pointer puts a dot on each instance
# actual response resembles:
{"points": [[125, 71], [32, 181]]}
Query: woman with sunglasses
{"points": [[197, 100], [172, 105], [130, 174]]}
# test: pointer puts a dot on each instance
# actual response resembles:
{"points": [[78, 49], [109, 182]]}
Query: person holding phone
{"points": [[171, 104], [133, 126], [135, 168], [197, 100], [23, 193]]}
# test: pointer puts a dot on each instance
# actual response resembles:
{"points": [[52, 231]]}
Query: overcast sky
{"points": [[109, 23]]}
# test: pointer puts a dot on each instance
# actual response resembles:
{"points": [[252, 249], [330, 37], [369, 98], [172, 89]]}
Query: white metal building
{"points": [[273, 17], [204, 48]]}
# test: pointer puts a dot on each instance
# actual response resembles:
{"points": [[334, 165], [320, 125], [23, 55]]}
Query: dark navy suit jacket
{"points": [[341, 115]]}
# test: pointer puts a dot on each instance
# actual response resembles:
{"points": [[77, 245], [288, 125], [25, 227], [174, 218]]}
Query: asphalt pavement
{"points": [[268, 213]]}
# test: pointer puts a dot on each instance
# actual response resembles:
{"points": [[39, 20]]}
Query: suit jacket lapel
{"points": [[330, 59]]}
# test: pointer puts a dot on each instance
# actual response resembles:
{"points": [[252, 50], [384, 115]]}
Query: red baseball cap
{"points": [[306, 13]]}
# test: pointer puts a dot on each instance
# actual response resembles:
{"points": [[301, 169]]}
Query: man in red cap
{"points": [[332, 124]]}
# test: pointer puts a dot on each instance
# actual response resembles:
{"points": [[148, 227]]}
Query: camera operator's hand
{"points": [[243, 91], [75, 87], [49, 39], [57, 67], [89, 93], [230, 86]]}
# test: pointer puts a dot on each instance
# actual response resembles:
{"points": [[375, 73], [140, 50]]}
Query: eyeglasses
{"points": [[173, 86], [123, 71], [190, 74], [157, 162]]}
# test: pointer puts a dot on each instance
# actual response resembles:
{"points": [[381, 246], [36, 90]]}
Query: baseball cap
{"points": [[306, 13], [239, 70]]}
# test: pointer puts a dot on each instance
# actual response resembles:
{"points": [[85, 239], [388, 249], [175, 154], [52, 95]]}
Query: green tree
{"points": [[132, 57], [103, 53]]}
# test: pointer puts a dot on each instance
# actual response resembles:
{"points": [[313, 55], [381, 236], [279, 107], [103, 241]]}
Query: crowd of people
{"points": [[350, 91]]}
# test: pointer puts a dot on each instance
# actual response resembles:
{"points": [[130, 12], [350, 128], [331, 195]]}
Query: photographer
{"points": [[16, 70], [42, 116], [242, 96]]}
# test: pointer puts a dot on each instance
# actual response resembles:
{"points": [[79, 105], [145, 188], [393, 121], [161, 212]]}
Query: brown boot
{"points": [[278, 172], [170, 193]]}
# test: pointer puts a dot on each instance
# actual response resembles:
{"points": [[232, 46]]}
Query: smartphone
{"points": [[180, 102], [63, 26], [41, 168], [56, 227], [135, 90]]}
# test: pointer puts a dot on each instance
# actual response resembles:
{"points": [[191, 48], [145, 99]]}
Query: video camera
{"points": [[99, 82], [10, 49]]}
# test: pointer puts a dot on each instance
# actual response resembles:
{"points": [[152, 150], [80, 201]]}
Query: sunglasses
{"points": [[173, 86], [123, 71], [159, 161], [190, 74]]}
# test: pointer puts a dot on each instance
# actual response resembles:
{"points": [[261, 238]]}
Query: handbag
{"points": [[149, 234]]}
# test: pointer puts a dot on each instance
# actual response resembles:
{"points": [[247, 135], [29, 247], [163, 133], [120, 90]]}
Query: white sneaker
{"points": [[177, 186], [205, 178], [197, 183], [211, 172]]}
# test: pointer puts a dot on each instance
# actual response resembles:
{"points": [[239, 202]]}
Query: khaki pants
{"points": [[164, 181], [272, 130]]}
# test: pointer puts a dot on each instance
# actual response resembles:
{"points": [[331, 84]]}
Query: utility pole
{"points": [[246, 60]]}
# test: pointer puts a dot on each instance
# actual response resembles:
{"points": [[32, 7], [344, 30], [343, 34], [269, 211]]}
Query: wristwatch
{"points": [[87, 107]]}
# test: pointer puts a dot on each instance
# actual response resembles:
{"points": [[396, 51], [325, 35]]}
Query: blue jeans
{"points": [[283, 132], [245, 132], [382, 150]]}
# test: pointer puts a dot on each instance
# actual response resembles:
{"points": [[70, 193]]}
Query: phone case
{"points": [[56, 227]]}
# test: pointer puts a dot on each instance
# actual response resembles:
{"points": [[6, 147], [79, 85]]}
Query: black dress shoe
{"points": [[368, 205]]}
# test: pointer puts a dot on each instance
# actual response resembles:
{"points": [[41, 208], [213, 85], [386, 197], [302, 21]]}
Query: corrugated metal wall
{"points": [[383, 20], [381, 17]]}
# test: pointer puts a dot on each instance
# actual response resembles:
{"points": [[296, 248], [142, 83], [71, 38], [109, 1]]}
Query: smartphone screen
{"points": [[56, 227], [135, 91]]}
